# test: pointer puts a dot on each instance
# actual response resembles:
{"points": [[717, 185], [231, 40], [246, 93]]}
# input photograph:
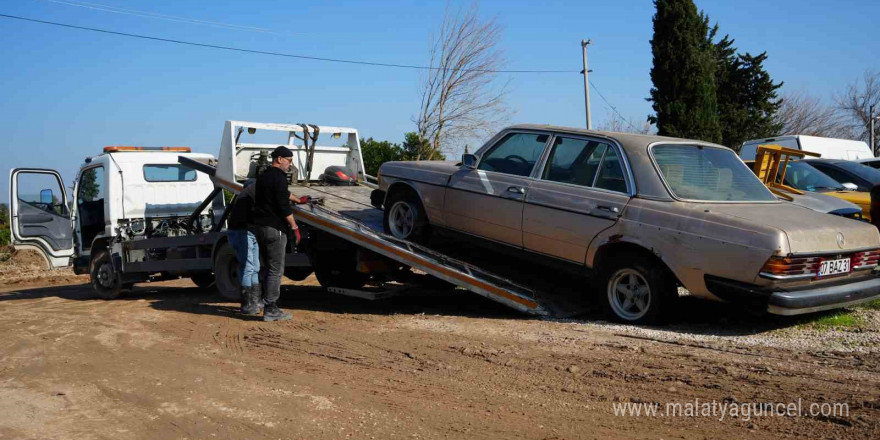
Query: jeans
{"points": [[273, 247], [248, 253]]}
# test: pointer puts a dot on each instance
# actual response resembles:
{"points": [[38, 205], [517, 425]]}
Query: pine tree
{"points": [[683, 74], [746, 95]]}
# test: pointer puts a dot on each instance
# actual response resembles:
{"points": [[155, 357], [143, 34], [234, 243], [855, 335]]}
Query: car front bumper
{"points": [[798, 300]]}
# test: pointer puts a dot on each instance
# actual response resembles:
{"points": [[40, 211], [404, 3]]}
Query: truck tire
{"points": [[103, 276], [297, 273], [226, 272], [203, 280], [636, 289], [404, 217], [338, 268]]}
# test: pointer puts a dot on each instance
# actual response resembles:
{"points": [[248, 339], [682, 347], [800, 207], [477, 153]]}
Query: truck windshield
{"points": [[168, 173], [709, 174]]}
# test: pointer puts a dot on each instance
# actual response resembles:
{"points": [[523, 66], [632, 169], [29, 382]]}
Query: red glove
{"points": [[298, 236]]}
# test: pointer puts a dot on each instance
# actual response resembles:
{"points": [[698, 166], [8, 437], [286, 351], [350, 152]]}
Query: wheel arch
{"points": [[607, 251]]}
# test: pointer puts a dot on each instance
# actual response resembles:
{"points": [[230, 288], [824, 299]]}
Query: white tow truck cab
{"points": [[138, 214]]}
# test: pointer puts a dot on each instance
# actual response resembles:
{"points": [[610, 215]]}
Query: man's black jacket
{"points": [[272, 201]]}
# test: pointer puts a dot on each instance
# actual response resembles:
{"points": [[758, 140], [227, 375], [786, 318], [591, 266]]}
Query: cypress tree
{"points": [[683, 73], [747, 99]]}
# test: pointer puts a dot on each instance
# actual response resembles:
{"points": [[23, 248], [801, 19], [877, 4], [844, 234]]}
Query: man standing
{"points": [[272, 216], [244, 242]]}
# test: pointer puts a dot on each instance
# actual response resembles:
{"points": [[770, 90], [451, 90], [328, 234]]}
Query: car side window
{"points": [[574, 161], [611, 173], [515, 154]]}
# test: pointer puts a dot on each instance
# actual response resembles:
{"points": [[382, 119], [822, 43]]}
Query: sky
{"points": [[67, 93]]}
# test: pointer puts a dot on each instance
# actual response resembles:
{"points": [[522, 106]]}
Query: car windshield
{"points": [[708, 174], [803, 176]]}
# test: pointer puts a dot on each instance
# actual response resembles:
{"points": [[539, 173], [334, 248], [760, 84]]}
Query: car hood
{"points": [[825, 203], [808, 231], [860, 198]]}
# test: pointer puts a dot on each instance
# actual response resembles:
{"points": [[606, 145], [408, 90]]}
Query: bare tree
{"points": [[617, 123], [804, 114], [460, 98], [855, 105]]}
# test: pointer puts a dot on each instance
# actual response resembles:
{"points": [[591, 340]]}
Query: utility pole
{"points": [[871, 118], [586, 72]]}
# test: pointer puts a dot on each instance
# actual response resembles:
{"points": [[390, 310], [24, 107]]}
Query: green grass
{"points": [[837, 320], [871, 305]]}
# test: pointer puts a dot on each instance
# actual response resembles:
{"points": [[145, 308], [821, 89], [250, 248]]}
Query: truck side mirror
{"points": [[469, 161], [47, 197]]}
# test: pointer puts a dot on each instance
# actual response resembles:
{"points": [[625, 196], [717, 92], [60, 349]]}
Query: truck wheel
{"points": [[203, 280], [404, 217], [104, 278], [297, 273], [338, 268], [637, 290], [226, 273]]}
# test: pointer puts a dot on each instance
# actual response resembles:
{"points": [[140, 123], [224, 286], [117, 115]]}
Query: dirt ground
{"points": [[171, 361]]}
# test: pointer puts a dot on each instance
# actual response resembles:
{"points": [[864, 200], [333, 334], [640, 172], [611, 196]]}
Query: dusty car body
{"points": [[641, 214]]}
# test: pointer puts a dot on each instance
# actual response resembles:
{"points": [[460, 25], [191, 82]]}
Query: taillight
{"points": [[791, 267], [342, 176], [866, 259]]}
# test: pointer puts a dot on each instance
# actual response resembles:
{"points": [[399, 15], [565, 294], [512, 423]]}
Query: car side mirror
{"points": [[469, 161], [851, 186]]}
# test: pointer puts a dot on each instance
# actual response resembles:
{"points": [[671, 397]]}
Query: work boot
{"points": [[250, 298], [274, 313]]}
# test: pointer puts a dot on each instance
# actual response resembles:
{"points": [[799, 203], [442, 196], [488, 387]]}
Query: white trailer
{"points": [[153, 214]]}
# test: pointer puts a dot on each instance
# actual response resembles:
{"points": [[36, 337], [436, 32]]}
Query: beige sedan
{"points": [[642, 214]]}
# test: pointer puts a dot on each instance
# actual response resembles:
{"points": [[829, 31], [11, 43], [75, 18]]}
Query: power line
{"points": [[611, 106], [277, 54], [174, 18]]}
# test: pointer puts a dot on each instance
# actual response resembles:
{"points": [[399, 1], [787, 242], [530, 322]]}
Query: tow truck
{"points": [[142, 214]]}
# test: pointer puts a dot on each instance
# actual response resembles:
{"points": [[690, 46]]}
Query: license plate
{"points": [[834, 267]]}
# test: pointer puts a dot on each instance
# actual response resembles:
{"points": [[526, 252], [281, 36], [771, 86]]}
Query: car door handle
{"points": [[611, 209], [516, 190]]}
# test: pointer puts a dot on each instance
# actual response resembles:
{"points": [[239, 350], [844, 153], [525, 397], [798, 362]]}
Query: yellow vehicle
{"points": [[775, 166]]}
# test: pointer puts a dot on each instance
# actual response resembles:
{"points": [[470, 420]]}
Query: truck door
{"points": [[40, 215]]}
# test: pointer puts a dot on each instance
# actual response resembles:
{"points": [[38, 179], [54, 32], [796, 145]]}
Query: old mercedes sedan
{"points": [[642, 215]]}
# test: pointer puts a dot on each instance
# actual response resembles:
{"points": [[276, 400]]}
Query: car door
{"points": [[40, 215], [581, 191], [487, 201]]}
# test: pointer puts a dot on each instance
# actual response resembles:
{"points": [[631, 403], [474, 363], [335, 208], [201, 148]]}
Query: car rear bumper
{"points": [[800, 300]]}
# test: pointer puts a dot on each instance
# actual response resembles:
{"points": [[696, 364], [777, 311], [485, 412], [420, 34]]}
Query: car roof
{"points": [[635, 147]]}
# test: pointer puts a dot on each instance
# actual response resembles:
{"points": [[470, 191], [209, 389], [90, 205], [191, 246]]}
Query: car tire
{"points": [[204, 280], [404, 217], [636, 289], [103, 276], [226, 269]]}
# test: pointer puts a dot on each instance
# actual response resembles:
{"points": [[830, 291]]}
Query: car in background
{"points": [[873, 162], [639, 214], [862, 177], [802, 175], [828, 148]]}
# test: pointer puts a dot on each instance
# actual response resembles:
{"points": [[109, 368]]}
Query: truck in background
{"points": [[828, 148]]}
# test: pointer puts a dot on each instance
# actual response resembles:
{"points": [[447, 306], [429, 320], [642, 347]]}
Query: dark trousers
{"points": [[273, 244]]}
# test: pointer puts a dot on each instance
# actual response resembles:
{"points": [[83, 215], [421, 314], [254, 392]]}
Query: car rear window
{"points": [[709, 174], [168, 173]]}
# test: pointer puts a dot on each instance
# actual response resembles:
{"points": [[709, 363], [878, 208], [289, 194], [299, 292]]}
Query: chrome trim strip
{"points": [[864, 267], [786, 277]]}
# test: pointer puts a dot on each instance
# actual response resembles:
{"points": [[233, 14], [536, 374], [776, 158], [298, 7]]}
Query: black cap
{"points": [[282, 151]]}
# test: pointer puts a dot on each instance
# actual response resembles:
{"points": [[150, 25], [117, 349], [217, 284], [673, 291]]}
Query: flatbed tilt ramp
{"points": [[347, 214]]}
